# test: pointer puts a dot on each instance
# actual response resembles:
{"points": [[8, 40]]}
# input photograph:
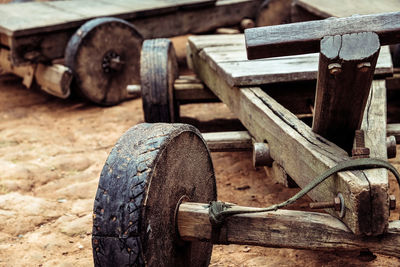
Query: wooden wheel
{"points": [[104, 57], [149, 171], [158, 71]]}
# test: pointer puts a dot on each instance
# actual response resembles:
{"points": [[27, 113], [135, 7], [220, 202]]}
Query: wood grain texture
{"points": [[342, 91], [304, 37], [346, 8], [293, 145], [284, 229], [226, 54], [374, 126]]}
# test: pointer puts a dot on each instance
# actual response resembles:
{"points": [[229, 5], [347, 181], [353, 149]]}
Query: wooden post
{"points": [[346, 68], [283, 229]]}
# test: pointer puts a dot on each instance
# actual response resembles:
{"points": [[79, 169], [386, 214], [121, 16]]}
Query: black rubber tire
{"points": [[158, 71], [146, 174], [91, 47]]}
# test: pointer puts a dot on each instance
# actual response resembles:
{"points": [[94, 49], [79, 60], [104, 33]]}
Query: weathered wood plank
{"points": [[227, 55], [302, 153], [304, 37], [343, 85], [50, 44], [345, 8], [284, 229], [228, 141], [59, 15], [374, 126]]}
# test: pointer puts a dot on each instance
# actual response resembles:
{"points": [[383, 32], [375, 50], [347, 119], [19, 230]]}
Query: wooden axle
{"points": [[283, 229], [187, 89], [53, 79]]}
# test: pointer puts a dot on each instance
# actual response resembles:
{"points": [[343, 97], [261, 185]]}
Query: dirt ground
{"points": [[51, 155]]}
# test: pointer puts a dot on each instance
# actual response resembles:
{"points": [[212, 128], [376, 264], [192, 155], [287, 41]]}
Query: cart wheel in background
{"points": [[104, 57], [158, 71], [151, 169]]}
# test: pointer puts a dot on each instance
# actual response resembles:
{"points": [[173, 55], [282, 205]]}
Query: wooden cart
{"points": [[156, 201], [98, 42]]}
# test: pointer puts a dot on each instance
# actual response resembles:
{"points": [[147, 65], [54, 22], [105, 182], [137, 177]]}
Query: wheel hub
{"points": [[112, 62]]}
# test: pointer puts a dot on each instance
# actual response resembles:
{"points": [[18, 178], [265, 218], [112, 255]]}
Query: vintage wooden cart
{"points": [[156, 200], [99, 42]]}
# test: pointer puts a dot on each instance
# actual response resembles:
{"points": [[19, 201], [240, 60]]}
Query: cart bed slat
{"points": [[345, 8], [29, 18], [227, 55]]}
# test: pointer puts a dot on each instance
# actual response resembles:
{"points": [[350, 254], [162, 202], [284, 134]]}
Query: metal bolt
{"points": [[360, 140], [392, 202], [360, 151], [335, 68], [335, 204], [364, 66]]}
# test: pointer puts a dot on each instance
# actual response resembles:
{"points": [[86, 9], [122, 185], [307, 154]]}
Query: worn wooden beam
{"points": [[283, 229], [305, 37], [293, 145], [228, 141], [38, 44], [344, 80], [345, 8], [374, 127]]}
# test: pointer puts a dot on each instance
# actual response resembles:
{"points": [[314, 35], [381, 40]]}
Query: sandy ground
{"points": [[51, 155]]}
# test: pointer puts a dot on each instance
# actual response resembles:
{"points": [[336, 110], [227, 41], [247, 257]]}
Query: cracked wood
{"points": [[305, 37], [346, 68]]}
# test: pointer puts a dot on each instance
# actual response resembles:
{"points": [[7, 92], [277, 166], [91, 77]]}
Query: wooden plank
{"points": [[302, 153], [226, 54], [343, 85], [304, 37], [50, 44], [283, 229], [345, 8], [374, 126], [228, 141], [224, 13], [29, 18]]}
